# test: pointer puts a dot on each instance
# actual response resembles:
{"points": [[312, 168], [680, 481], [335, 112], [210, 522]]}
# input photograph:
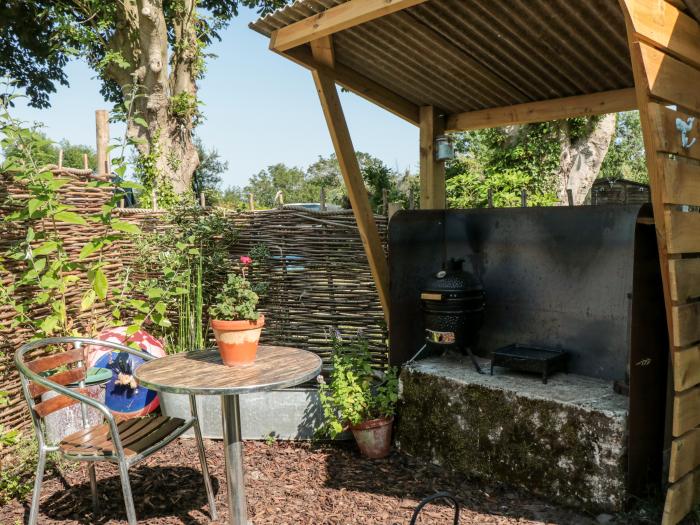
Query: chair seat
{"points": [[136, 436]]}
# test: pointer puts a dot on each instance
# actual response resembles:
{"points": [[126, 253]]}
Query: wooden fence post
{"points": [[322, 198], [251, 202], [490, 198], [523, 198], [102, 136], [570, 196]]}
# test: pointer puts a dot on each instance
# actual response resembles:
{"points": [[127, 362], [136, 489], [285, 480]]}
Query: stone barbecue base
{"points": [[565, 440]]}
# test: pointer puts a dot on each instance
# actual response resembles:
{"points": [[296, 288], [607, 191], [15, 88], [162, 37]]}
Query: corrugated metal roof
{"points": [[465, 55]]}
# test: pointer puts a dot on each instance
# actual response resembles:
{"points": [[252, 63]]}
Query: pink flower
{"points": [[246, 260]]}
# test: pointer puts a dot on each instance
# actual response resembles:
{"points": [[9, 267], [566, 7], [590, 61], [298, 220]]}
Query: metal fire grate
{"points": [[524, 358]]}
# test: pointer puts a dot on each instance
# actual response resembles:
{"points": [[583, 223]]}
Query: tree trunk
{"points": [[167, 99], [581, 161]]}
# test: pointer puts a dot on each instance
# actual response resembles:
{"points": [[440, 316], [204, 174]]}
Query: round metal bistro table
{"points": [[203, 373]]}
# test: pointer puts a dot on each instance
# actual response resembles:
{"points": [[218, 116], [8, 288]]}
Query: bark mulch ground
{"points": [[287, 484]]}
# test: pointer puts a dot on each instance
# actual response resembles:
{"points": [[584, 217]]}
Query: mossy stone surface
{"points": [[566, 443]]}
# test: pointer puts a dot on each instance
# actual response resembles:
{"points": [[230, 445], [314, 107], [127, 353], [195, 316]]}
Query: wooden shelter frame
{"points": [[664, 46]]}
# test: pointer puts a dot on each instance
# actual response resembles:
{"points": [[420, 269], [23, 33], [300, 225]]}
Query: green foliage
{"points": [[626, 158], [186, 264], [236, 300], [40, 258], [355, 393], [46, 151], [238, 296], [232, 197], [207, 177], [265, 184], [299, 185], [7, 437], [39, 37], [506, 161], [152, 179], [185, 108]]}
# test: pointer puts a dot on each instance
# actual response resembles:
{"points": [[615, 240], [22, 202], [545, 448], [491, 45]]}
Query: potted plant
{"points": [[359, 398], [234, 319]]}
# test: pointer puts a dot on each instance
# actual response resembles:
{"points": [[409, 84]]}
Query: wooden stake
{"points": [[60, 158], [154, 199], [322, 198], [202, 200], [385, 202], [86, 164], [523, 198], [102, 136], [251, 202], [490, 198]]}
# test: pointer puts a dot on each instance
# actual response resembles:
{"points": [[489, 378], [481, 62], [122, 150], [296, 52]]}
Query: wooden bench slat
{"points": [[682, 232], [136, 434], [62, 378], [681, 180], [684, 275], [685, 455], [686, 411], [670, 139], [686, 368], [666, 26], [686, 324], [50, 362], [49, 406]]}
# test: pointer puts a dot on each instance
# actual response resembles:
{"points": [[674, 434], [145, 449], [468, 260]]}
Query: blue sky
{"points": [[260, 109]]}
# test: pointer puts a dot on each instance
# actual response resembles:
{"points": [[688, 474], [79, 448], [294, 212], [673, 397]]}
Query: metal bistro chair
{"points": [[125, 442]]}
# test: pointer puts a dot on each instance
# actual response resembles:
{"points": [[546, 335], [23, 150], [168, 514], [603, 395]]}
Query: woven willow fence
{"points": [[318, 276]]}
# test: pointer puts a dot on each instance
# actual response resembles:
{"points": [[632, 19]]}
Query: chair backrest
{"points": [[54, 372]]}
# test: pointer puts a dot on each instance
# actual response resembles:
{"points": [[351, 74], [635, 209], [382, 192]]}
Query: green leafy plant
{"points": [[43, 269], [184, 262], [356, 392], [236, 300]]}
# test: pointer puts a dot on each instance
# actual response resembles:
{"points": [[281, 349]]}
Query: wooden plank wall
{"points": [[665, 50]]}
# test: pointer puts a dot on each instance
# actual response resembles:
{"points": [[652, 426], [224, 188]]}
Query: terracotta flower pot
{"points": [[238, 340], [374, 437]]}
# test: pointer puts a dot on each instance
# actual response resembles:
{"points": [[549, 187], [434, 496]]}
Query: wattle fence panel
{"points": [[318, 276]]}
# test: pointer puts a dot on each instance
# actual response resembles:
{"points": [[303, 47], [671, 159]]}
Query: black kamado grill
{"points": [[453, 303]]}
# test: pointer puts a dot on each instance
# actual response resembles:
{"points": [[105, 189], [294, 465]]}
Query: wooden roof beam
{"points": [[358, 84], [338, 18], [350, 169], [545, 110]]}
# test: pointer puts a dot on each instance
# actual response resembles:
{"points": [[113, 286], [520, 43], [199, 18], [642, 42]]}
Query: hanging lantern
{"points": [[444, 149]]}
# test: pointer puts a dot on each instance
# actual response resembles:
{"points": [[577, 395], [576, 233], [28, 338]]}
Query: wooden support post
{"points": [[385, 202], [523, 198], [490, 198], [251, 202], [432, 172], [322, 199], [570, 196], [60, 158], [86, 164], [350, 168], [102, 136]]}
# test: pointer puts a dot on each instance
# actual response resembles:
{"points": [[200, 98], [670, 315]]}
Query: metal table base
{"points": [[233, 455]]}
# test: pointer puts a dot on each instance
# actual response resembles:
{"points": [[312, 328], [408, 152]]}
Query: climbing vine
{"points": [[43, 271]]}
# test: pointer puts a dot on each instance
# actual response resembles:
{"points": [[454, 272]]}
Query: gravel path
{"points": [[287, 484]]}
